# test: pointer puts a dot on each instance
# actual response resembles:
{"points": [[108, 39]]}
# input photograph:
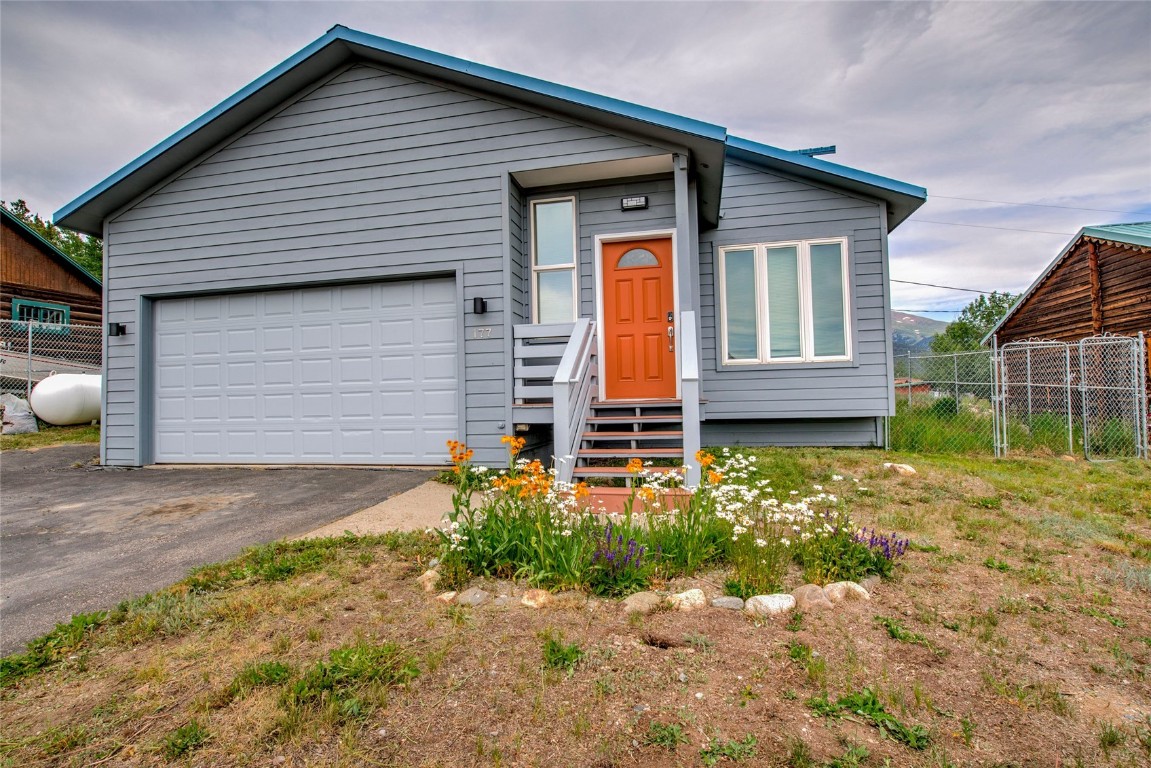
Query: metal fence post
{"points": [[28, 356], [1067, 409]]}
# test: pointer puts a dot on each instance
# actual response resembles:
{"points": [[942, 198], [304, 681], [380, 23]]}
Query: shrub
{"points": [[619, 566]]}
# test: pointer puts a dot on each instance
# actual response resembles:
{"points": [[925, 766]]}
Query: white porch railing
{"points": [[689, 393], [574, 386]]}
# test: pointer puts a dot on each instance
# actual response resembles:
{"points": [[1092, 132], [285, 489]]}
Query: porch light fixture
{"points": [[636, 203], [479, 306], [116, 329]]}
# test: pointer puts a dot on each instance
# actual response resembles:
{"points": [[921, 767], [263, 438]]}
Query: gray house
{"points": [[375, 248]]}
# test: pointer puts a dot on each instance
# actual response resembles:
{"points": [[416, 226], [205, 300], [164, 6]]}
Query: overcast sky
{"points": [[1045, 103]]}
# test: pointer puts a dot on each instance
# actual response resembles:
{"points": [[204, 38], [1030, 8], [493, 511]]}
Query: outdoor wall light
{"points": [[636, 203], [116, 329], [479, 306]]}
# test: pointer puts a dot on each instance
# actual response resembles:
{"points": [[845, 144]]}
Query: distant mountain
{"points": [[914, 333]]}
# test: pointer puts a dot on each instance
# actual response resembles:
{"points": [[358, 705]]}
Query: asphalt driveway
{"points": [[76, 538]]}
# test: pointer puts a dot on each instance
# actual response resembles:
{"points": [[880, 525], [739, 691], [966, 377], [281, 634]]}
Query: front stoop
{"points": [[619, 431]]}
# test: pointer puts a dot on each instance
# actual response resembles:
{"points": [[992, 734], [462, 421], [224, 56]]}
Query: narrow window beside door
{"points": [[554, 273], [784, 302]]}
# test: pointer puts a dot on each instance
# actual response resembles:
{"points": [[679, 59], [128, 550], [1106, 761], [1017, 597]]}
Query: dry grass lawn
{"points": [[1016, 633]]}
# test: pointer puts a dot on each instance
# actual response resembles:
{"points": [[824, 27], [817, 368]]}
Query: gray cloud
{"points": [[1027, 102]]}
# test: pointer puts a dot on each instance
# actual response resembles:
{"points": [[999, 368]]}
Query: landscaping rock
{"points": [[902, 469], [845, 590], [475, 597], [728, 603], [688, 601], [536, 598], [642, 602], [428, 580], [446, 597], [870, 583], [503, 601], [811, 597], [768, 605]]}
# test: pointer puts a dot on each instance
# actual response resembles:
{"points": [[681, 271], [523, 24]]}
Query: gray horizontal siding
{"points": [[861, 432], [759, 206], [372, 174]]}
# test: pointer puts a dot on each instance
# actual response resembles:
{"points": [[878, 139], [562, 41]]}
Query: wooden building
{"points": [[39, 282], [1100, 283]]}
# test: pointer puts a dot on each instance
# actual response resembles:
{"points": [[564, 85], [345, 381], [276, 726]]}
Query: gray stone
{"points": [[870, 583], [901, 469], [845, 590], [688, 600], [475, 597], [769, 605], [728, 603], [811, 597], [536, 598], [503, 601], [642, 602]]}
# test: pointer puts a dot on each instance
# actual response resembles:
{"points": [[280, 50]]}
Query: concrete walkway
{"points": [[420, 508]]}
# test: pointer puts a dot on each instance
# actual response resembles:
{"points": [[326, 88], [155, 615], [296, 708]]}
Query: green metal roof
{"points": [[1137, 233]]}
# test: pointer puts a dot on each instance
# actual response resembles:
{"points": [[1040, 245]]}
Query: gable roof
{"points": [[48, 248], [1137, 234], [707, 143]]}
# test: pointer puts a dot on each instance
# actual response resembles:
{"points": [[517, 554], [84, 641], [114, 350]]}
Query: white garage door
{"points": [[354, 374]]}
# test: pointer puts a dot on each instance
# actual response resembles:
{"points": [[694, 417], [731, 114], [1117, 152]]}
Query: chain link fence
{"points": [[1084, 398], [30, 352]]}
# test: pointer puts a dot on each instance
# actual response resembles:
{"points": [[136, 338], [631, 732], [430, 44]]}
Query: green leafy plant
{"points": [[185, 739], [729, 749], [866, 704], [669, 736], [50, 649], [558, 655], [348, 671]]}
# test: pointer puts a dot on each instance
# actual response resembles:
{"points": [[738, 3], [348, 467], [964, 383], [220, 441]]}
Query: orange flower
{"points": [[514, 444], [704, 458], [635, 466], [582, 491], [647, 493], [713, 477], [461, 454]]}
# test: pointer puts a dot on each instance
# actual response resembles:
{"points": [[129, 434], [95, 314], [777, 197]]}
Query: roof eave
{"points": [[902, 198], [87, 212]]}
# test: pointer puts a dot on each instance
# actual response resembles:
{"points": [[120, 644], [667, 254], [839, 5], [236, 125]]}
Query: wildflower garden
{"points": [[520, 522]]}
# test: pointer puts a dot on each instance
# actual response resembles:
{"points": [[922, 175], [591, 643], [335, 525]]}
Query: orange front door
{"points": [[638, 310]]}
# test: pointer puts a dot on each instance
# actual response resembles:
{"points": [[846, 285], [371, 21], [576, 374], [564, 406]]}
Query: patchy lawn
{"points": [[49, 436], [1016, 632]]}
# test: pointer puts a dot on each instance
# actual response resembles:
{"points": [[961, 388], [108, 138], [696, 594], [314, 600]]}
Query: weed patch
{"points": [[729, 749], [669, 735], [185, 739], [558, 655], [865, 704]]}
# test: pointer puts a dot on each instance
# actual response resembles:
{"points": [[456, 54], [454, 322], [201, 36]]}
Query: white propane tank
{"points": [[67, 398]]}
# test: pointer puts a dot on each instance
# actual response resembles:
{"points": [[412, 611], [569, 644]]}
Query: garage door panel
{"points": [[363, 373]]}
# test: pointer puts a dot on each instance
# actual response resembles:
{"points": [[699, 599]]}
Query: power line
{"points": [[946, 287], [956, 311], [1031, 205], [987, 226]]}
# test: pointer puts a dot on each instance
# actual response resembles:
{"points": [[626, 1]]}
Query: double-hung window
{"points": [[555, 280], [784, 302]]}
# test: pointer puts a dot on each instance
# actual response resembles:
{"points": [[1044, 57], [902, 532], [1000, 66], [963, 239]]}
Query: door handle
{"points": [[671, 338]]}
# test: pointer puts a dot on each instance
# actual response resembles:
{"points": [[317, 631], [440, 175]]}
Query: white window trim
{"points": [[573, 267], [807, 320]]}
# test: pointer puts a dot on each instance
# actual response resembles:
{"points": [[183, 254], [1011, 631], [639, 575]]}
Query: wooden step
{"points": [[630, 453], [656, 419], [606, 404], [652, 435], [618, 471]]}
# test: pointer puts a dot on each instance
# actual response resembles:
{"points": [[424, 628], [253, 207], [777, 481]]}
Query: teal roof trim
{"points": [[46, 243], [1137, 234], [823, 166]]}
